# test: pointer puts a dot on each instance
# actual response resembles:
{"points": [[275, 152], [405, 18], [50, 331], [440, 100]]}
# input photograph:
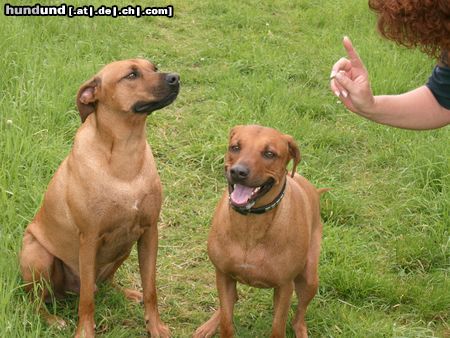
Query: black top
{"points": [[439, 81]]}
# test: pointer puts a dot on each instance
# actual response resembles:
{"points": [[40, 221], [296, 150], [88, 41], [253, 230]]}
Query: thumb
{"points": [[345, 82]]}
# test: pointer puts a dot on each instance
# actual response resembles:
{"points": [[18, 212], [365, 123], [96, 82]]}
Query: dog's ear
{"points": [[87, 97], [294, 153]]}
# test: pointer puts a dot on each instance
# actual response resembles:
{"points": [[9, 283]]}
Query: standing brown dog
{"points": [[105, 196], [266, 229]]}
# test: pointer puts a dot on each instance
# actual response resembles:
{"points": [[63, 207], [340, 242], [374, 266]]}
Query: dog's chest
{"points": [[127, 222], [121, 212], [254, 272], [256, 254], [126, 212], [259, 266], [254, 268]]}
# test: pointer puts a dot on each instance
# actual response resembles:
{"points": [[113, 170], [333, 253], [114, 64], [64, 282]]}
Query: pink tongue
{"points": [[241, 194]]}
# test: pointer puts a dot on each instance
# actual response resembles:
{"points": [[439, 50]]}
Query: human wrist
{"points": [[380, 109], [370, 107]]}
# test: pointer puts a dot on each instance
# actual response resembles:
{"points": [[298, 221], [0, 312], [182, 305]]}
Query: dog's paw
{"points": [[55, 321], [208, 329], [204, 331], [133, 295], [159, 330]]}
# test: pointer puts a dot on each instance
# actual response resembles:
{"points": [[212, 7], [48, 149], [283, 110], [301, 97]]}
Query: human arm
{"points": [[417, 109]]}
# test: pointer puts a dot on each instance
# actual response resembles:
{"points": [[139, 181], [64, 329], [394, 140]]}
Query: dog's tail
{"points": [[320, 191]]}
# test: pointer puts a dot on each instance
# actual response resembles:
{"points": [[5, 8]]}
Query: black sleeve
{"points": [[439, 84]]}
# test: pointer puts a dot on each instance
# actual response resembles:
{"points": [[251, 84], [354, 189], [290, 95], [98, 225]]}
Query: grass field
{"points": [[385, 256]]}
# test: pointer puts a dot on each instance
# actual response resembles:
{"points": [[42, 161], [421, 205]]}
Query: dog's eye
{"points": [[234, 148], [269, 155], [133, 75]]}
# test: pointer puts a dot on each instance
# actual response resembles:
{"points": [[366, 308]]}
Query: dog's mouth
{"points": [[245, 197], [142, 107]]}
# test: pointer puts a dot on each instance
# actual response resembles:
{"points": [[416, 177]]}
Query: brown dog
{"points": [[266, 229], [105, 196]]}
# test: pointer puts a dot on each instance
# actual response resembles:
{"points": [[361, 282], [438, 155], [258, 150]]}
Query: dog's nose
{"points": [[172, 79], [239, 172]]}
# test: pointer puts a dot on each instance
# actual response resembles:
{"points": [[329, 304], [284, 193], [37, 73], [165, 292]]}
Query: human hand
{"points": [[350, 81]]}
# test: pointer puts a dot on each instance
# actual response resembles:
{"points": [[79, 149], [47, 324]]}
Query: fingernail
{"points": [[337, 93], [344, 93]]}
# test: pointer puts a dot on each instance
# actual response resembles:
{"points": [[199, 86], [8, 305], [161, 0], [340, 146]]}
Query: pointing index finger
{"points": [[351, 52]]}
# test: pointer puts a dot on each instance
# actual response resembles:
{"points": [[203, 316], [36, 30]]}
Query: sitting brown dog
{"points": [[266, 229], [105, 196]]}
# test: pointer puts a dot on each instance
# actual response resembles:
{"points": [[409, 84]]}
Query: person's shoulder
{"points": [[439, 81], [444, 60]]}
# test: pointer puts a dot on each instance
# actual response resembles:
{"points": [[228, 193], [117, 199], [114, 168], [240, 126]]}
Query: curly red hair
{"points": [[412, 23]]}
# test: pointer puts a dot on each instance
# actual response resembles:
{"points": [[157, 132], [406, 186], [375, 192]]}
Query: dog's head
{"points": [[256, 162], [128, 86]]}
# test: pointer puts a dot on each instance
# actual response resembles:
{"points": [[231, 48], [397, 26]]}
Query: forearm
{"points": [[417, 109]]}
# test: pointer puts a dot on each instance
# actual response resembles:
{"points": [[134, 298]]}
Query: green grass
{"points": [[385, 255]]}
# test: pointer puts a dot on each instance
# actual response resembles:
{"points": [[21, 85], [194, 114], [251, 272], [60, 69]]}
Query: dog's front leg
{"points": [[281, 301], [87, 257], [147, 252], [226, 287]]}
